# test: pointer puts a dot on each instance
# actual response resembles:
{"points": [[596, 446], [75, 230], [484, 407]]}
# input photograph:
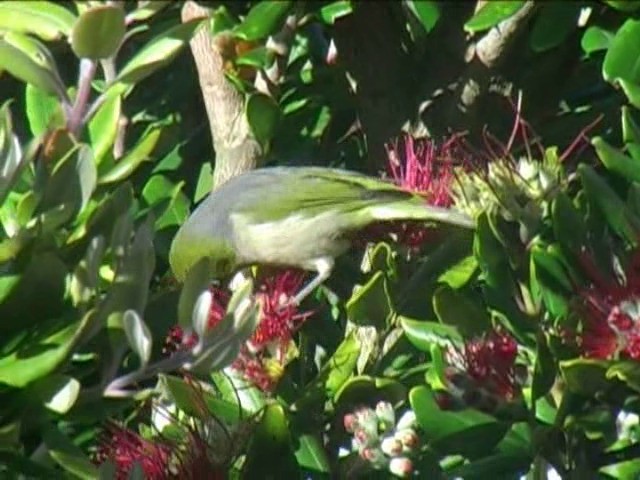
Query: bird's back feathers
{"points": [[251, 215]]}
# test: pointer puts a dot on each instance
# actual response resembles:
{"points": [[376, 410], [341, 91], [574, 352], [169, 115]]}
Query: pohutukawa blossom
{"points": [[484, 373], [263, 358], [610, 311], [425, 167], [124, 448], [195, 454]]}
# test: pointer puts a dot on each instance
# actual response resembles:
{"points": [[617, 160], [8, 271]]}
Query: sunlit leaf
{"points": [[98, 32], [491, 14]]}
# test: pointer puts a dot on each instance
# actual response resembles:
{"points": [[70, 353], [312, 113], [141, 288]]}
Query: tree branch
{"points": [[236, 148]]}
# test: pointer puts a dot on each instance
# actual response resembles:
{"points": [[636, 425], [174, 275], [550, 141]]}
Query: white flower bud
{"points": [[401, 466], [391, 446]]}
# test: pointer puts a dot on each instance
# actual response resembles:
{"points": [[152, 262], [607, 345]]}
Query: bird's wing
{"points": [[311, 191]]}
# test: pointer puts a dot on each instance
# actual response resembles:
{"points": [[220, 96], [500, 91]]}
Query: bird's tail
{"points": [[417, 209]]}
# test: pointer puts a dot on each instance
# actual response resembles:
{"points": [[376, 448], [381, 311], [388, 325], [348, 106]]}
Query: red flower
{"points": [[125, 447], [279, 319], [264, 356], [195, 456], [490, 361], [610, 312], [424, 167], [483, 374]]}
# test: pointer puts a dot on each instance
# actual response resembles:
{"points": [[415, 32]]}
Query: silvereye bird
{"points": [[294, 217]]}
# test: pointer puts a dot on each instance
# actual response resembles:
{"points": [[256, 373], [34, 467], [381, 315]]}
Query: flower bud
{"points": [[350, 422], [408, 438], [367, 421], [391, 446], [364, 438], [401, 466], [374, 456], [386, 415]]}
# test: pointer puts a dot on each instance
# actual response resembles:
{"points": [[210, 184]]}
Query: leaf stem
{"points": [[85, 77]]}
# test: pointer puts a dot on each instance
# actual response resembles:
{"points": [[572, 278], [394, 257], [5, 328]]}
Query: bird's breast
{"points": [[295, 240]]}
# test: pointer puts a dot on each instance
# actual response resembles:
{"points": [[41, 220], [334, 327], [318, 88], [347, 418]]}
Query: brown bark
{"points": [[236, 148]]}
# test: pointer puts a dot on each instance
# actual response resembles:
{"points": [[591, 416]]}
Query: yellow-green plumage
{"points": [[292, 216]]}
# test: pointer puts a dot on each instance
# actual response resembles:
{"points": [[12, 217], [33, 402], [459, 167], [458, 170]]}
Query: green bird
{"points": [[293, 217]]}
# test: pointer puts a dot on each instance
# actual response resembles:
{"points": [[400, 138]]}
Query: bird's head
{"points": [[221, 258]]}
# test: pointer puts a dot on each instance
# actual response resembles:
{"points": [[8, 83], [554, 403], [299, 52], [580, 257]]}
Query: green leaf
{"points": [[549, 280], [364, 389], [39, 354], [158, 52], [205, 181], [263, 115], [545, 369], [617, 214], [632, 90], [459, 274], [36, 296], [259, 57], [466, 432], [622, 61], [491, 14], [188, 396], [491, 256], [341, 365], [555, 22], [30, 61], [616, 161], [12, 159], [264, 19], [58, 392], [424, 334], [311, 454], [98, 33], [170, 205], [43, 110], [84, 282], [585, 376], [103, 126], [627, 372], [568, 226], [623, 5], [48, 20], [146, 9], [271, 440], [131, 285], [426, 11], [234, 388], [595, 39], [20, 464], [128, 164], [630, 129], [72, 182], [221, 20], [70, 457], [370, 304], [454, 308], [331, 12], [138, 335]]}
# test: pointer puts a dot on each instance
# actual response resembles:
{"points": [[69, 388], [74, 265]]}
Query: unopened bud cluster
{"points": [[381, 441]]}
